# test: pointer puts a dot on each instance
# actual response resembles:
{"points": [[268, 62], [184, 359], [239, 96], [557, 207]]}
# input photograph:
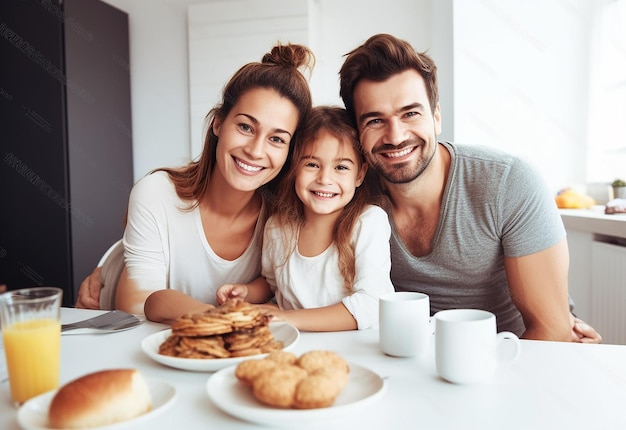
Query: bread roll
{"points": [[99, 399]]}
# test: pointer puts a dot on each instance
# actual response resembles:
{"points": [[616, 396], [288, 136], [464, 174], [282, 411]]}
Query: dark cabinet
{"points": [[65, 139]]}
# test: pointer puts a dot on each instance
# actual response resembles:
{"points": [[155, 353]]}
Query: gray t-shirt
{"points": [[494, 205]]}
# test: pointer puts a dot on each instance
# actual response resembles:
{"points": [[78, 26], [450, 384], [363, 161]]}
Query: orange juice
{"points": [[33, 350]]}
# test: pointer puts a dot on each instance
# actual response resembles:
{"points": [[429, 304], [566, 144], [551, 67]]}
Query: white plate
{"points": [[282, 331], [33, 415], [234, 398]]}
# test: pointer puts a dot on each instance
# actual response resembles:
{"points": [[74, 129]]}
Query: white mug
{"points": [[467, 345], [404, 323]]}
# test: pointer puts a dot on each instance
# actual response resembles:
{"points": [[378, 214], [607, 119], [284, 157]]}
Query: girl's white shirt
{"points": [[301, 282]]}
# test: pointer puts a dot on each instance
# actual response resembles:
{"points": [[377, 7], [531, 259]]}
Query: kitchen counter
{"points": [[595, 221], [597, 269]]}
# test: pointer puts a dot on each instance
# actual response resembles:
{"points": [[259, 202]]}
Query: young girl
{"points": [[325, 250]]}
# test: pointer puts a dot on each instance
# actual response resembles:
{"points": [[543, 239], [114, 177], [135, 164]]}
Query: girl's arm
{"points": [[328, 318], [373, 267]]}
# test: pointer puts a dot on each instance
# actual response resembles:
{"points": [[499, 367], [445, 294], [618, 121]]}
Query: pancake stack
{"points": [[235, 329]]}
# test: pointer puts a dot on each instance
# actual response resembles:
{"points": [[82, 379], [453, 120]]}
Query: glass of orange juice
{"points": [[31, 332]]}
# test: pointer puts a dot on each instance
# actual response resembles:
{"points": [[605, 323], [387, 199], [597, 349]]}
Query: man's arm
{"points": [[539, 289]]}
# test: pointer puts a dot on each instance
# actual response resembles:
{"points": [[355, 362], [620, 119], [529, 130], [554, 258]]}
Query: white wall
{"points": [[343, 25], [512, 73], [521, 78], [159, 82], [160, 74]]}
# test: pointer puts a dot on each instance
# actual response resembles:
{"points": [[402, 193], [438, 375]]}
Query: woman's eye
{"points": [[277, 139], [245, 127]]}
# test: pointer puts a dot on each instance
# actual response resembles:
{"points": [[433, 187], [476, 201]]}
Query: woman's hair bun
{"points": [[290, 55]]}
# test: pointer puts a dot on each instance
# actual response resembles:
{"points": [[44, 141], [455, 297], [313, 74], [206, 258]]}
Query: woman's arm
{"points": [[130, 297], [146, 262], [165, 306]]}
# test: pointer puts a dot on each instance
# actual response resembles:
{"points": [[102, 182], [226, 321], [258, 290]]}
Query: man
{"points": [[472, 227]]}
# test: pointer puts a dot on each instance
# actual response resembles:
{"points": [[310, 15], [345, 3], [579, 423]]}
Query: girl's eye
{"points": [[342, 167], [310, 164]]}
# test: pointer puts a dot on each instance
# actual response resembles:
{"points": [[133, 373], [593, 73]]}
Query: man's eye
{"points": [[411, 114], [373, 122]]}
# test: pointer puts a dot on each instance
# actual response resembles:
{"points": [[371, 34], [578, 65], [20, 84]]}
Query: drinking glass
{"points": [[31, 332]]}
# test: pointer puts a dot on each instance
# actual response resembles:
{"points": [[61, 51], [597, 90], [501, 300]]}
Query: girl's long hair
{"points": [[290, 210]]}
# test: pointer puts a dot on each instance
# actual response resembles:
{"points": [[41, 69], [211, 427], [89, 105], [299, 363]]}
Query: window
{"points": [[606, 142]]}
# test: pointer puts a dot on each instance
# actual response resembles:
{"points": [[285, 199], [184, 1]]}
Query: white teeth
{"points": [[325, 195], [399, 153], [247, 167]]}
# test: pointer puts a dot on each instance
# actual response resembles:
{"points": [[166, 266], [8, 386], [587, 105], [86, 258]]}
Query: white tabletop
{"points": [[551, 386]]}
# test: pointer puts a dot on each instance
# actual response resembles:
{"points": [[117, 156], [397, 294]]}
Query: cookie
{"points": [[319, 359], [313, 380], [277, 386], [317, 390], [247, 371]]}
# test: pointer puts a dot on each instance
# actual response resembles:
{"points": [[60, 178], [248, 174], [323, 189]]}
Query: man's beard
{"points": [[401, 173]]}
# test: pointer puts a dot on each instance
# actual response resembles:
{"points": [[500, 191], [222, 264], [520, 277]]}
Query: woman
{"points": [[204, 221]]}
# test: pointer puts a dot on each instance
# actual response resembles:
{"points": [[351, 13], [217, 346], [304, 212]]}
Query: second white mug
{"points": [[467, 345], [404, 324]]}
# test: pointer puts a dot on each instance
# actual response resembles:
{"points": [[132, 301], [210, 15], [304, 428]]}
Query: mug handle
{"points": [[512, 355]]}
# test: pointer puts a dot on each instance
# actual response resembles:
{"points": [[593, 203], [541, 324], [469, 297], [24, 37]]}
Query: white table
{"points": [[552, 385]]}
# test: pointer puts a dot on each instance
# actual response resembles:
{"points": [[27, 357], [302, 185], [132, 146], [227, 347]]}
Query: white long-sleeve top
{"points": [[312, 282], [165, 245]]}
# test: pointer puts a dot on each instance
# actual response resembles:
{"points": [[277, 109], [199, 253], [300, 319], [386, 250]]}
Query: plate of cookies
{"points": [[284, 389], [220, 337]]}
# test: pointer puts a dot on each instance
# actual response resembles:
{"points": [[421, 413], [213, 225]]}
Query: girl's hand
{"points": [[273, 310], [231, 291]]}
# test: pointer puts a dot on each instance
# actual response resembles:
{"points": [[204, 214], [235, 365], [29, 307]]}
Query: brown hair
{"points": [[290, 214], [381, 57], [278, 70]]}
